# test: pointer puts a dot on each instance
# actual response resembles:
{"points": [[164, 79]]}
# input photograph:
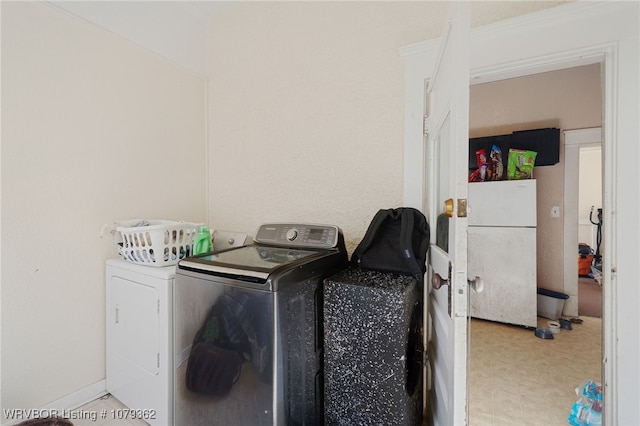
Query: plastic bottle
{"points": [[202, 241]]}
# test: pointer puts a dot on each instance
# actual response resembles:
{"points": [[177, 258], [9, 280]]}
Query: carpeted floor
{"points": [[589, 298]]}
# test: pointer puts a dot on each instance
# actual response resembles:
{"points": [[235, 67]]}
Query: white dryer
{"points": [[139, 337]]}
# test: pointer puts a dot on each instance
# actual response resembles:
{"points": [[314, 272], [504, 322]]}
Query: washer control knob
{"points": [[292, 234]]}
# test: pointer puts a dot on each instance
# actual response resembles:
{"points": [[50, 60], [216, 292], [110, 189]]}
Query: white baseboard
{"points": [[69, 402]]}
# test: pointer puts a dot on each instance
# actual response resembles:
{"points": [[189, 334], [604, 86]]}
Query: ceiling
{"points": [[175, 30]]}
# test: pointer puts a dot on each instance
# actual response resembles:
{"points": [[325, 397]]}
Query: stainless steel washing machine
{"points": [[248, 329]]}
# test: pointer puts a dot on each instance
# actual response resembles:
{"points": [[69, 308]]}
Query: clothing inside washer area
{"points": [[247, 348], [253, 333]]}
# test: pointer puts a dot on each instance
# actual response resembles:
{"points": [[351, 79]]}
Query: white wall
{"points": [[306, 108], [94, 130]]}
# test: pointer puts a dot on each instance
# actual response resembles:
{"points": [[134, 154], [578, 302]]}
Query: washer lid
{"points": [[255, 261]]}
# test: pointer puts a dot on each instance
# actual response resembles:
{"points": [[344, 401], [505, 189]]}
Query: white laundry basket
{"points": [[157, 242]]}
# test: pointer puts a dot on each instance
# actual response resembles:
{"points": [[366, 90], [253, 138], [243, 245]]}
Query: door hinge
{"points": [[158, 306], [425, 126], [158, 359], [449, 290], [427, 101]]}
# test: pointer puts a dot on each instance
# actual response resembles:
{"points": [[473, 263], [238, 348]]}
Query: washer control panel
{"points": [[298, 235]]}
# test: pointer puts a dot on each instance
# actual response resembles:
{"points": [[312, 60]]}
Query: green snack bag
{"points": [[520, 164]]}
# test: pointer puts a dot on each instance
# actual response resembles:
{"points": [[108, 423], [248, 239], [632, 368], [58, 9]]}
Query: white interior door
{"points": [[446, 171]]}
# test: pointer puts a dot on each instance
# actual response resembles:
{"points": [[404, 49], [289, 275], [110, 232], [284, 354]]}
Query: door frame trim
{"points": [[574, 140], [598, 32]]}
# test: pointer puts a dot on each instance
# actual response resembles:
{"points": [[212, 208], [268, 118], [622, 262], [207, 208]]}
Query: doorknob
{"points": [[448, 207], [437, 281], [477, 284]]}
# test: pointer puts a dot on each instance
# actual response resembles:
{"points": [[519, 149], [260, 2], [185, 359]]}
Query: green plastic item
{"points": [[520, 164], [202, 242]]}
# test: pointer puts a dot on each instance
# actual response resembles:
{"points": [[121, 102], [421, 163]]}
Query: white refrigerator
{"points": [[502, 250]]}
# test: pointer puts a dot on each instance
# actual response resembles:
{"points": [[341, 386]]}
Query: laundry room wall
{"points": [[566, 99], [306, 108], [94, 130]]}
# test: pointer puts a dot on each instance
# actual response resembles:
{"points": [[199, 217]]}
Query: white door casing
{"points": [[573, 140], [570, 35], [446, 165]]}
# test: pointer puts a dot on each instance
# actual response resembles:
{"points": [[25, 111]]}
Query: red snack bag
{"points": [[480, 174]]}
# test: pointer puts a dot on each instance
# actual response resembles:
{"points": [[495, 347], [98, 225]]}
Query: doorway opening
{"points": [[590, 224], [583, 170], [569, 98]]}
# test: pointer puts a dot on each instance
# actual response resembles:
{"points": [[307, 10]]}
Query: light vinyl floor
{"points": [[518, 378]]}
